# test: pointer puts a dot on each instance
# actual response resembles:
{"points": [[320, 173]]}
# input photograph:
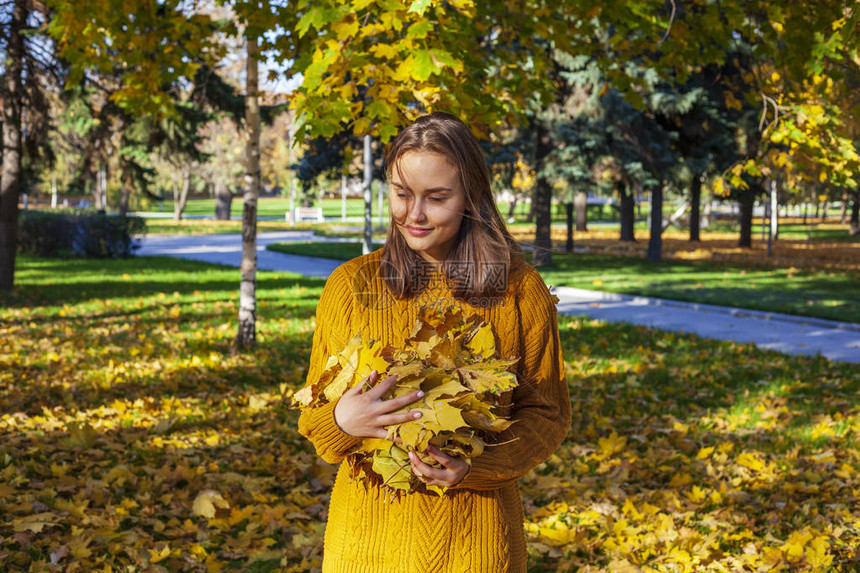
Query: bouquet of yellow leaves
{"points": [[453, 360]]}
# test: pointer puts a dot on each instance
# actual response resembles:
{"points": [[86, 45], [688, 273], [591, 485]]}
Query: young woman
{"points": [[446, 243]]}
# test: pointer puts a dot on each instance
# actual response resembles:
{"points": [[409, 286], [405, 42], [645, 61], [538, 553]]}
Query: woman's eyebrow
{"points": [[431, 190]]}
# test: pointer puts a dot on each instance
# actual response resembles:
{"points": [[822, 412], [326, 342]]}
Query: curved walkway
{"points": [[782, 332]]}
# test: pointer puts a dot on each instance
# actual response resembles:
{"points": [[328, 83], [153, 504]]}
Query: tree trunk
{"points": [[568, 246], [542, 202], [367, 244], [580, 203], [512, 207], [223, 200], [180, 194], [746, 202], [655, 241], [824, 211], [99, 189], [627, 213], [247, 333], [11, 180], [774, 210], [695, 208], [843, 213], [855, 215], [530, 217], [125, 193]]}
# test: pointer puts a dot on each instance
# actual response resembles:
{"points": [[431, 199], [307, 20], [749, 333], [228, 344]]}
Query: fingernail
{"points": [[416, 415], [411, 455], [419, 393]]}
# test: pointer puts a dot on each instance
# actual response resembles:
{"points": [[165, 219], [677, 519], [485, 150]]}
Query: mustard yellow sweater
{"points": [[476, 527]]}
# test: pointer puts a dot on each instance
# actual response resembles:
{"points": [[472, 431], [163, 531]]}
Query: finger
{"points": [[440, 456], [380, 389], [398, 403], [421, 468], [366, 382], [400, 418]]}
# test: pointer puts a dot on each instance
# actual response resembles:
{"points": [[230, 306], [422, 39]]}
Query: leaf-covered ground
{"points": [[836, 250], [132, 440]]}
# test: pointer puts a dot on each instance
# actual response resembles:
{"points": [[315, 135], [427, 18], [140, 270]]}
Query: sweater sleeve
{"points": [[330, 336], [541, 401]]}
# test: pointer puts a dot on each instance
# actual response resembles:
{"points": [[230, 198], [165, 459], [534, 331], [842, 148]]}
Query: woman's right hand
{"points": [[364, 414]]}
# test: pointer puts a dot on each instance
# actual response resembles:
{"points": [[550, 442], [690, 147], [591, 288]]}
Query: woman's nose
{"points": [[416, 210]]}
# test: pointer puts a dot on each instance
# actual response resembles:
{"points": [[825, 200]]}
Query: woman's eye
{"points": [[437, 199]]}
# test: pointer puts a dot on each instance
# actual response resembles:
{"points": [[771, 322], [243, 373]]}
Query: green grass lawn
{"points": [[822, 294], [277, 207], [339, 251], [123, 410], [348, 229]]}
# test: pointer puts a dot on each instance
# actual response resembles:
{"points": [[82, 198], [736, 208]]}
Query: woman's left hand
{"points": [[451, 473]]}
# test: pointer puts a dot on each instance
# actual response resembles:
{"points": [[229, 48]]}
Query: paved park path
{"points": [[782, 332]]}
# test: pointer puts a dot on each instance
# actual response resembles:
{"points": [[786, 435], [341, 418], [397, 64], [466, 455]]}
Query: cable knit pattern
{"points": [[476, 527]]}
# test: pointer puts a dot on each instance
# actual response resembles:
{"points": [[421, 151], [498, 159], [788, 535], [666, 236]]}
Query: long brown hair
{"points": [[480, 262]]}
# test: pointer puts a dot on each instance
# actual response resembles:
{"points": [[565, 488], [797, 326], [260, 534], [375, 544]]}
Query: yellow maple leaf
{"points": [[794, 546], [705, 452], [750, 461], [208, 503], [483, 342], [612, 444], [490, 375], [393, 467], [405, 371], [451, 387], [357, 361], [816, 553], [156, 555]]}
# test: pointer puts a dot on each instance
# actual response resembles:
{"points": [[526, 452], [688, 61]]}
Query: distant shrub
{"points": [[44, 234], [78, 233]]}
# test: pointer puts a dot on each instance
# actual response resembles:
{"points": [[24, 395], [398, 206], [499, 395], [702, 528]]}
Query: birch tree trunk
{"points": [[854, 227], [581, 206], [247, 334]]}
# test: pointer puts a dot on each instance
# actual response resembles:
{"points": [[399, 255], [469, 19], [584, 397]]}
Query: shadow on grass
{"points": [[47, 282], [687, 377], [273, 362]]}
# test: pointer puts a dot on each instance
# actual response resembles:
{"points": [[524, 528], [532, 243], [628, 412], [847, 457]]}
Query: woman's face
{"points": [[427, 201]]}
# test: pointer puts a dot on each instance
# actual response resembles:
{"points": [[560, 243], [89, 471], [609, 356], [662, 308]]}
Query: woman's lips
{"points": [[418, 231]]}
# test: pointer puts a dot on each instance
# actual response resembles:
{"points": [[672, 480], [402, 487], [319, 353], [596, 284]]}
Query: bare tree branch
{"points": [[671, 21]]}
